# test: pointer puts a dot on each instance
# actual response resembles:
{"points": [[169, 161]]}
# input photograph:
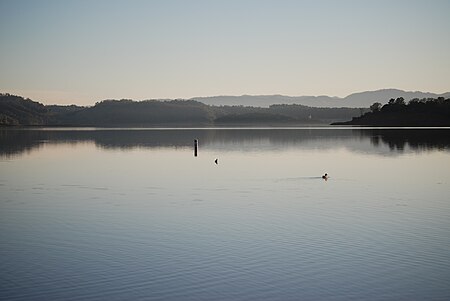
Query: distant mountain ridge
{"points": [[355, 100]]}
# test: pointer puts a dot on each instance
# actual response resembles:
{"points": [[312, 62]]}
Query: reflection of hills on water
{"points": [[376, 141], [415, 139]]}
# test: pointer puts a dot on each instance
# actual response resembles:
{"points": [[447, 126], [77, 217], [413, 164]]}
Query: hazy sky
{"points": [[85, 51]]}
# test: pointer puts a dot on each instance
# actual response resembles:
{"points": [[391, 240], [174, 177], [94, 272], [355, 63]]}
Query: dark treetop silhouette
{"points": [[417, 112]]}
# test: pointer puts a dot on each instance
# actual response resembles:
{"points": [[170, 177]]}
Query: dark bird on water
{"points": [[216, 161]]}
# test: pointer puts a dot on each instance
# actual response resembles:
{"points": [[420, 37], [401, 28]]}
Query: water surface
{"points": [[114, 214]]}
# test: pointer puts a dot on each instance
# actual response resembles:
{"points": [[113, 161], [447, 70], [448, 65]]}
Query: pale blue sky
{"points": [[85, 51]]}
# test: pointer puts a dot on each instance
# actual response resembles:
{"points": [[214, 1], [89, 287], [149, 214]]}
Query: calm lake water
{"points": [[128, 214]]}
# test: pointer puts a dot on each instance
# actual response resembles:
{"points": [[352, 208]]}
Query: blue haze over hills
{"points": [[355, 100]]}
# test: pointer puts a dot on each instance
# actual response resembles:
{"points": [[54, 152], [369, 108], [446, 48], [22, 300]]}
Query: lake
{"points": [[132, 214]]}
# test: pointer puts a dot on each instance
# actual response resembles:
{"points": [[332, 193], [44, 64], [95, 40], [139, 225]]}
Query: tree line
{"points": [[417, 112], [16, 110]]}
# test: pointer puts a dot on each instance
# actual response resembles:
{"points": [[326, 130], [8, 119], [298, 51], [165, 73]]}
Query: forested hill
{"points": [[15, 110], [417, 112]]}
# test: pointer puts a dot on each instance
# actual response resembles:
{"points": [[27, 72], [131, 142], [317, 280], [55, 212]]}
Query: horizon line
{"points": [[220, 95]]}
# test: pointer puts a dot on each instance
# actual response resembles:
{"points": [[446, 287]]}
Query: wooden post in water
{"points": [[195, 147]]}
